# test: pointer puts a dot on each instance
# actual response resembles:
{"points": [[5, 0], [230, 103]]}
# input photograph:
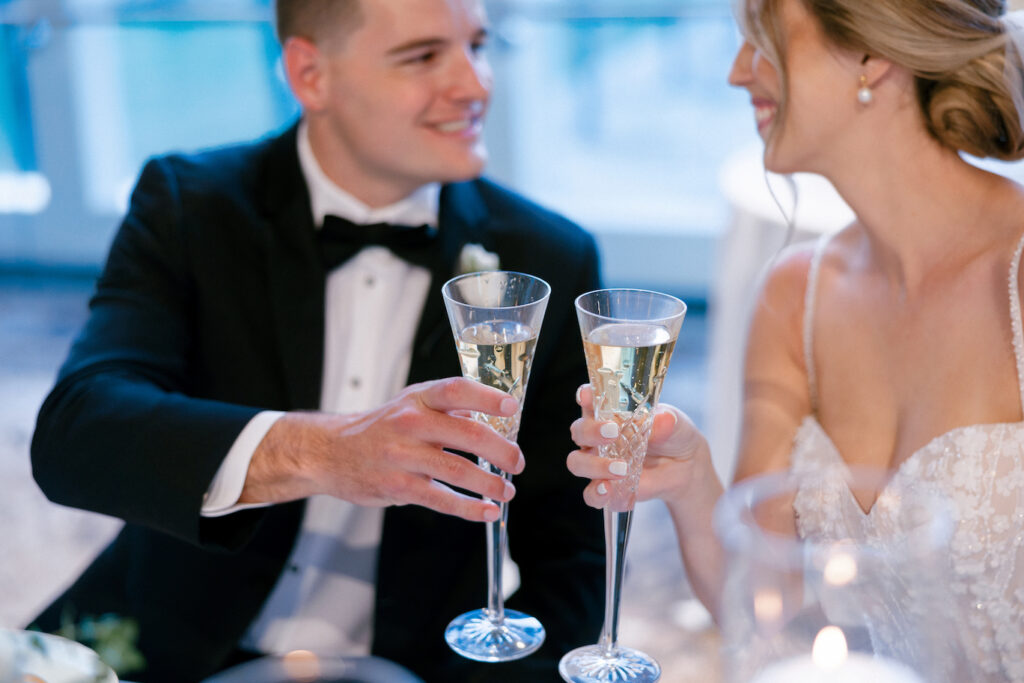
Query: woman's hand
{"points": [[674, 450]]}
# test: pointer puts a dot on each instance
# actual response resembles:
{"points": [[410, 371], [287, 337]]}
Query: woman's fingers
{"points": [[585, 397], [596, 494], [588, 432], [589, 465], [664, 424]]}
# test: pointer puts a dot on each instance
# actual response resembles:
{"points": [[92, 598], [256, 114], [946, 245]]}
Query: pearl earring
{"points": [[864, 94]]}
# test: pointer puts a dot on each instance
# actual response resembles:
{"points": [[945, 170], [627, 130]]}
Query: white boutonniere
{"points": [[474, 258]]}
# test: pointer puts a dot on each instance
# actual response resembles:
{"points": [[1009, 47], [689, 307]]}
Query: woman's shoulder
{"points": [[785, 280], [787, 277]]}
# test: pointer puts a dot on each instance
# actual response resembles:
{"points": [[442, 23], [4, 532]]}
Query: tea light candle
{"points": [[831, 661], [857, 668]]}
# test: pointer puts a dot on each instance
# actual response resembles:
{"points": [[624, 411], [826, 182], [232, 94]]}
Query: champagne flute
{"points": [[496, 317], [628, 338]]}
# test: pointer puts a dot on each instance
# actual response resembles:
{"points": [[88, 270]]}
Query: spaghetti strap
{"points": [[810, 297], [1015, 317]]}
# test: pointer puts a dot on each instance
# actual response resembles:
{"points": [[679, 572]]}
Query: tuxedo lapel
{"points": [[461, 220], [297, 275]]}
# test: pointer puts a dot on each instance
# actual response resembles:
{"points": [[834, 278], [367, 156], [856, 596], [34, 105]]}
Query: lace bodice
{"points": [[980, 470]]}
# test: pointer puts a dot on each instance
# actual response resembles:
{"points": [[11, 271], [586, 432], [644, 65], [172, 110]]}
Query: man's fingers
{"points": [[459, 393], [457, 471], [471, 436], [440, 498]]}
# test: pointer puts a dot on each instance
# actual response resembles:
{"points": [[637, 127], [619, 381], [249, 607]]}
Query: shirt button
{"points": [[370, 281], [355, 382]]}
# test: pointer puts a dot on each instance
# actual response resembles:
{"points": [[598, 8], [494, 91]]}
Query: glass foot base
{"points": [[591, 664], [474, 636]]}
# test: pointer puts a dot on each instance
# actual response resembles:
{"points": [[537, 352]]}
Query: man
{"points": [[236, 396]]}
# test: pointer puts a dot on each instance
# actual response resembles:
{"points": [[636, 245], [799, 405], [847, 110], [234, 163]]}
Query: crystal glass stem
{"points": [[616, 536], [496, 318], [497, 540]]}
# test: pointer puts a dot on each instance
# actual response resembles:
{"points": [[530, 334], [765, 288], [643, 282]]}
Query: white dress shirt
{"points": [[324, 599]]}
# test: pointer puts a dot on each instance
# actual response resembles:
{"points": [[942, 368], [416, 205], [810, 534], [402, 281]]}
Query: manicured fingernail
{"points": [[609, 430], [509, 406], [510, 490], [491, 514], [579, 394], [602, 489], [618, 467]]}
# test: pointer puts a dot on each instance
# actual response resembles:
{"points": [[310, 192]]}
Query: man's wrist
{"points": [[283, 466], [221, 497]]}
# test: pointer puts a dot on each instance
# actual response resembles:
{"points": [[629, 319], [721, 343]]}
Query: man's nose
{"points": [[471, 76]]}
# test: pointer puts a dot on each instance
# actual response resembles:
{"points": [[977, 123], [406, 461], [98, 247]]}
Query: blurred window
{"points": [[148, 88], [22, 189], [17, 152], [615, 112], [619, 113]]}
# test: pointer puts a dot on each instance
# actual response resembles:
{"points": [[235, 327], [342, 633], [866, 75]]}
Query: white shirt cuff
{"points": [[221, 497]]}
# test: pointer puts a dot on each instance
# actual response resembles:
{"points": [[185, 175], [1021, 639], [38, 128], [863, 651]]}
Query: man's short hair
{"points": [[317, 20]]}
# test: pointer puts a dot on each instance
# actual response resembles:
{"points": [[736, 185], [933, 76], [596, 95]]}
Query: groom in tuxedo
{"points": [[267, 391]]}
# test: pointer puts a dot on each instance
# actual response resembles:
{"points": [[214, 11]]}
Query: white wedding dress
{"points": [[980, 470]]}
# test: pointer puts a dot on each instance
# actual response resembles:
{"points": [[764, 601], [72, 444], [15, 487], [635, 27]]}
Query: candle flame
{"points": [[840, 569], [829, 651], [301, 665], [768, 605]]}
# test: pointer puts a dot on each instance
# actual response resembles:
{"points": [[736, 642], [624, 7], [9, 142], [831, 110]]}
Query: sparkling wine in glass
{"points": [[496, 317], [628, 338]]}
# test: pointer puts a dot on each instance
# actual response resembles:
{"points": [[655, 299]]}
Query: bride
{"points": [[896, 343]]}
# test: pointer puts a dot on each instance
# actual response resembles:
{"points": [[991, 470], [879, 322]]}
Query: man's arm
{"points": [[119, 433], [124, 433], [392, 455]]}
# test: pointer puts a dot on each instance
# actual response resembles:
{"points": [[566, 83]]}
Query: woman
{"points": [[897, 342]]}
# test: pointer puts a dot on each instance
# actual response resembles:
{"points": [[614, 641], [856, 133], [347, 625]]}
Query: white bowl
{"points": [[50, 659]]}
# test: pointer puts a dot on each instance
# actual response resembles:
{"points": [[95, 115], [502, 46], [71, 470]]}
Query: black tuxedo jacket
{"points": [[210, 309]]}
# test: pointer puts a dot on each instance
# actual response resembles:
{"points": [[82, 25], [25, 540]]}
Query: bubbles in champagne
{"points": [[499, 354], [627, 363]]}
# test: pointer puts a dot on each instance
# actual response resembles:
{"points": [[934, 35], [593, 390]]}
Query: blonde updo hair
{"points": [[957, 50]]}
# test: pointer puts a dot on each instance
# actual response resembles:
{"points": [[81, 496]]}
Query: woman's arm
{"points": [[678, 467]]}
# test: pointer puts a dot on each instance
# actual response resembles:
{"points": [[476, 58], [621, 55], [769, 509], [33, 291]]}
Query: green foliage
{"points": [[112, 637]]}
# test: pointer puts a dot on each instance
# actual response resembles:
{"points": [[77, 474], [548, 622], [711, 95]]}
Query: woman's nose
{"points": [[741, 72]]}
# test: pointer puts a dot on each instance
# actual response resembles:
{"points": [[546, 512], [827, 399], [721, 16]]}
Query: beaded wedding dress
{"points": [[979, 469]]}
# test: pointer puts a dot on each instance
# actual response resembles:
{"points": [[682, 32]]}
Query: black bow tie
{"points": [[340, 239]]}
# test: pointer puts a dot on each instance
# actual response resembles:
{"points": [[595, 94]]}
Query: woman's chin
{"points": [[778, 163]]}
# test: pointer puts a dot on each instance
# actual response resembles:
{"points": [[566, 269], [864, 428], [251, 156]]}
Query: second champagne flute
{"points": [[496, 318], [628, 338]]}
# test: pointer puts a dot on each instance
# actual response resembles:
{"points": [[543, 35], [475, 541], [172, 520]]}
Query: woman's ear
{"points": [[874, 69], [305, 68]]}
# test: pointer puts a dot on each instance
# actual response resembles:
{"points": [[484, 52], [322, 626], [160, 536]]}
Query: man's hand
{"points": [[393, 455]]}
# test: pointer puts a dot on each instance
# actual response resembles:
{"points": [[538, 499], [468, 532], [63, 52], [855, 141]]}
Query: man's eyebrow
{"points": [[425, 43], [418, 44]]}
